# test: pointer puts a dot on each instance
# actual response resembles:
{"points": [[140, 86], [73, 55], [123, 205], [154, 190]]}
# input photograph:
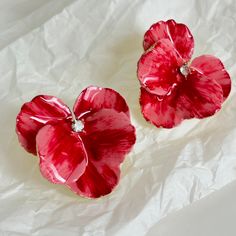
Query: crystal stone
{"points": [[184, 70], [77, 125]]}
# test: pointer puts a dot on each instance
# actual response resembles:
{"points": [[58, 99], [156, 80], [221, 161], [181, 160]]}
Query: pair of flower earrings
{"points": [[84, 149]]}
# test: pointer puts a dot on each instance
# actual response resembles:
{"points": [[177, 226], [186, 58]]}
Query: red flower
{"points": [[84, 154], [172, 88]]}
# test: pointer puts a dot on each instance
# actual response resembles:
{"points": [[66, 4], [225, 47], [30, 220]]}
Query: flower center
{"points": [[77, 125], [184, 70]]}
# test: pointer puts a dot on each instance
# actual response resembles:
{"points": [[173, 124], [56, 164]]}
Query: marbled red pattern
{"points": [[94, 98], [158, 68], [87, 161], [160, 111], [177, 33], [63, 157], [42, 110], [214, 69], [168, 95], [109, 136]]}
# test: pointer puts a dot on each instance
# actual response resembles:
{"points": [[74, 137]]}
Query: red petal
{"points": [[35, 114], [160, 111], [178, 34], [199, 96], [213, 68], [158, 68], [108, 137], [62, 154], [93, 99]]}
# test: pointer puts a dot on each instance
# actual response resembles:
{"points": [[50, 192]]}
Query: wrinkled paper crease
{"points": [[99, 43]]}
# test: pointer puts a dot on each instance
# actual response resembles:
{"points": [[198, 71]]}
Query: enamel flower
{"points": [[172, 87], [85, 152]]}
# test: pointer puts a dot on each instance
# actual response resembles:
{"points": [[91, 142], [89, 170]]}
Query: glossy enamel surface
{"points": [[172, 88], [213, 69], [84, 155], [197, 96], [158, 68], [62, 154], [93, 99], [35, 114], [177, 33], [108, 137], [162, 112]]}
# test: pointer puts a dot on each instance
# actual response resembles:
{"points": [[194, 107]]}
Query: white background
{"points": [[212, 216]]}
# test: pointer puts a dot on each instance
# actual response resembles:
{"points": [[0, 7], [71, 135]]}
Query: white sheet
{"points": [[20, 17], [100, 43]]}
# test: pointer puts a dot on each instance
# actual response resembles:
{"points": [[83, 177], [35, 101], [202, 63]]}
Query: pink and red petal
{"points": [[177, 33], [35, 114], [199, 96], [108, 136], [63, 158], [87, 161], [93, 99], [161, 111], [96, 181], [213, 69], [158, 68]]}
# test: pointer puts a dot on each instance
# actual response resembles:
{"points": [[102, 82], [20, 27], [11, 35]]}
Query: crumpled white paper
{"points": [[99, 43]]}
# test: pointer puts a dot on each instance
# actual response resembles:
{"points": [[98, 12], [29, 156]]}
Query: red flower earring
{"points": [[172, 88], [84, 153]]}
